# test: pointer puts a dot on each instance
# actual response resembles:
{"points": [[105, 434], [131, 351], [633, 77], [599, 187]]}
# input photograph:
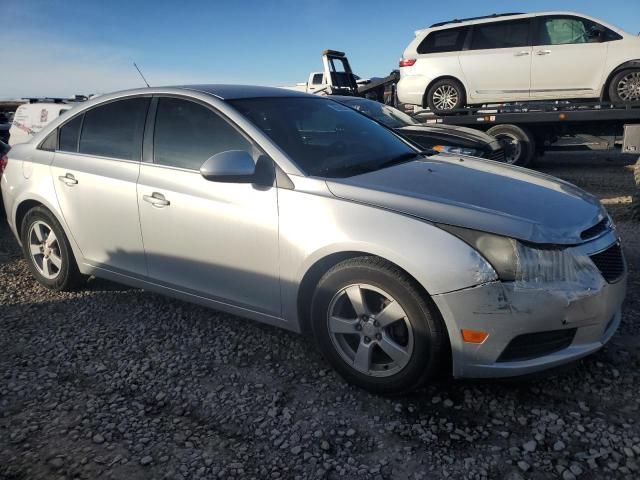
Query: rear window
{"points": [[500, 35], [69, 134], [115, 130], [451, 40]]}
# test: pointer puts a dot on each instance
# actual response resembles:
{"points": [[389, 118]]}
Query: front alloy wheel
{"points": [[377, 327], [370, 330]]}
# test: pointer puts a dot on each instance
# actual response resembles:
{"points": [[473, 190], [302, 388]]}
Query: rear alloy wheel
{"points": [[376, 328], [445, 95], [625, 87], [518, 144], [47, 250]]}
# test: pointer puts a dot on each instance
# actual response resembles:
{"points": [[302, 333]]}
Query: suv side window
{"points": [[571, 30], [115, 130], [486, 36], [69, 134], [186, 134], [441, 41]]}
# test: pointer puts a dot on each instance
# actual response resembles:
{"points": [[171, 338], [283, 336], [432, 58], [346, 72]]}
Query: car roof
{"points": [[234, 92], [498, 18]]}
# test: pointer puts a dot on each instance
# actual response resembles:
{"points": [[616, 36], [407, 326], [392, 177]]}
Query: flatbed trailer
{"points": [[528, 129]]}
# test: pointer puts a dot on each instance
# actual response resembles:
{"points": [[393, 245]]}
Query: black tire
{"points": [[635, 206], [68, 276], [430, 344], [518, 143], [615, 94], [442, 87]]}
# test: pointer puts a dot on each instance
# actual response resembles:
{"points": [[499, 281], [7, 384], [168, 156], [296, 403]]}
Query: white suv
{"points": [[519, 57]]}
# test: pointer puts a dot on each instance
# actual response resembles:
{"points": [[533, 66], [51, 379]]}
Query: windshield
{"points": [[389, 116], [325, 138]]}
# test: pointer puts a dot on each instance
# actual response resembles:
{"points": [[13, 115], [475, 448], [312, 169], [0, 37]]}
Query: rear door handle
{"points": [[523, 53], [157, 200], [543, 52], [68, 179]]}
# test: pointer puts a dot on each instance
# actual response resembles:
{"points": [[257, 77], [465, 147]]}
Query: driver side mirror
{"points": [[232, 166]]}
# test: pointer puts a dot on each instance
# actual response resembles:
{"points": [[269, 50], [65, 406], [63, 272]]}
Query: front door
{"points": [[569, 58], [95, 170], [497, 62], [212, 239]]}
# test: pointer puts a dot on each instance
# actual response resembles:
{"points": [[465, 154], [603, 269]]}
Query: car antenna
{"points": [[143, 79]]}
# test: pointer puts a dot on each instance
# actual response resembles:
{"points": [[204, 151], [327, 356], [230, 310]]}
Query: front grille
{"points": [[497, 155], [610, 263], [534, 345], [596, 230]]}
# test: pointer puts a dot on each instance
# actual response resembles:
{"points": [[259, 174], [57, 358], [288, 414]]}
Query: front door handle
{"points": [[157, 200], [543, 52], [523, 53], [68, 179]]}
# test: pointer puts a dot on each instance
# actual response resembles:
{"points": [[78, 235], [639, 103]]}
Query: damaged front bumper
{"points": [[529, 329]]}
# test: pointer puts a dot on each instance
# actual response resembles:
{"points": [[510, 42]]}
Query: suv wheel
{"points": [[625, 87], [47, 250], [375, 328], [446, 95]]}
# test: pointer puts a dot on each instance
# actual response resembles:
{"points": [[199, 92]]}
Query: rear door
{"points": [[496, 61], [95, 170], [569, 57]]}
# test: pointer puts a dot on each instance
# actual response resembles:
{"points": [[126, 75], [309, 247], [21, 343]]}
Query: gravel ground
{"points": [[113, 382]]}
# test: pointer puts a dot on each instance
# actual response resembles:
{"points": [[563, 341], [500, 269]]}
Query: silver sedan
{"points": [[299, 212]]}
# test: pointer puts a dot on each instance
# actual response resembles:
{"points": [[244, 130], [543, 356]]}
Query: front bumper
{"points": [[506, 312]]}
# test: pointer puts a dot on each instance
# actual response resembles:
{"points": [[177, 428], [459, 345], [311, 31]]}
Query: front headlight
{"points": [[458, 150], [528, 265]]}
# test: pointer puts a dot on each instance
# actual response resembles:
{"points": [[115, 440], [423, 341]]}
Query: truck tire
{"points": [[446, 95], [625, 87], [518, 143]]}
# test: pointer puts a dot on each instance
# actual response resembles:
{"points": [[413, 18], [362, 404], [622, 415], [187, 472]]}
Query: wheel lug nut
{"points": [[367, 340], [358, 327], [378, 336], [375, 323]]}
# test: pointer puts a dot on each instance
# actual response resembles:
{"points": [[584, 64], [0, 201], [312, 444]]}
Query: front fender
{"points": [[313, 227]]}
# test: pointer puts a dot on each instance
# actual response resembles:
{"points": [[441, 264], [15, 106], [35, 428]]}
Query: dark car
{"points": [[443, 138]]}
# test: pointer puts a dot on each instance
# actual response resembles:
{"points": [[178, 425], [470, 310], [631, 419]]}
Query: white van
{"points": [[30, 118]]}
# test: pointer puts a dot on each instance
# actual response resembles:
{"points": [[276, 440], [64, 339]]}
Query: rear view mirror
{"points": [[232, 166]]}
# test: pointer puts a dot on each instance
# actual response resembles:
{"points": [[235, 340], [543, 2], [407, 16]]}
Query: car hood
{"points": [[460, 135], [480, 195]]}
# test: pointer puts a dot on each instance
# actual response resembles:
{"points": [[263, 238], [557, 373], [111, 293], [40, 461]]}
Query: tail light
{"points": [[4, 160], [407, 62]]}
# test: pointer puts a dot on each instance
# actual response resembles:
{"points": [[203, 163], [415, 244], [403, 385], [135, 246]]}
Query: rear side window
{"points": [[451, 40], [69, 134], [115, 130], [500, 35], [186, 134], [571, 30]]}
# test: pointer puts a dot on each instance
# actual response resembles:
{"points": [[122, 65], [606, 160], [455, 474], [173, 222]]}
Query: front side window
{"points": [[571, 30], [488, 36], [441, 41], [186, 134], [323, 137], [69, 135], [115, 130]]}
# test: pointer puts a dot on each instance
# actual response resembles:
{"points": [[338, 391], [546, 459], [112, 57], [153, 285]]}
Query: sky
{"points": [[66, 47]]}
